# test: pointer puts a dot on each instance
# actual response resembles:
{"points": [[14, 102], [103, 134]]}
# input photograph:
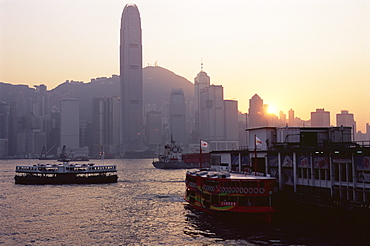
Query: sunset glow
{"points": [[296, 54]]}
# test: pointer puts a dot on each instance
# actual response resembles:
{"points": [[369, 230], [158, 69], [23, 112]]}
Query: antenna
{"points": [[201, 64]]}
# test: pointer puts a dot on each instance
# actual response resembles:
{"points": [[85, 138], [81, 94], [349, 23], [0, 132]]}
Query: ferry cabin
{"points": [[224, 191], [65, 173]]}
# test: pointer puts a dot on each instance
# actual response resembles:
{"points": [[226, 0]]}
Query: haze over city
{"points": [[300, 55]]}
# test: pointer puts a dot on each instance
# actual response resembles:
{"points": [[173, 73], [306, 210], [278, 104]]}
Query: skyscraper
{"points": [[131, 76], [200, 82], [212, 113], [177, 116], [320, 118], [346, 119], [256, 112], [105, 125], [70, 123]]}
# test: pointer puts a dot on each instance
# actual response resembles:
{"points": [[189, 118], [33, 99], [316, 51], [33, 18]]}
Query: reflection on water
{"points": [[145, 207]]}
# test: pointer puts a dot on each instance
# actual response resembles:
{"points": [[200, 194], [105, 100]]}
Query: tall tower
{"points": [[131, 75], [212, 113], [177, 116], [256, 112], [200, 82], [70, 123]]}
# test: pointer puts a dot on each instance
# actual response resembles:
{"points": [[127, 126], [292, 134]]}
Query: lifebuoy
{"points": [[251, 190], [246, 190], [262, 190], [255, 190]]}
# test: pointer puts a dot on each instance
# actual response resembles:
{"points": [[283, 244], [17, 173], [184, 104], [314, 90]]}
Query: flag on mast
{"points": [[258, 141], [203, 144]]}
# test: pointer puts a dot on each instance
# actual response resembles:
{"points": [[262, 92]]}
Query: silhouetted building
{"points": [[346, 119], [212, 113], [105, 125], [231, 120], [200, 82], [320, 118], [153, 129], [4, 128], [256, 116], [69, 123], [177, 116], [131, 79]]}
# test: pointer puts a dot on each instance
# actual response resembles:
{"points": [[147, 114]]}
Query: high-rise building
{"points": [[69, 123], [131, 76], [291, 121], [200, 82], [346, 119], [212, 113], [320, 118], [256, 112], [4, 128], [105, 124], [231, 120], [177, 116], [153, 129]]}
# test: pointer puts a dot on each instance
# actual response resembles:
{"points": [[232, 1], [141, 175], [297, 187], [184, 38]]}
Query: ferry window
{"points": [[215, 199], [262, 201], [233, 198], [262, 184], [254, 184], [242, 200]]}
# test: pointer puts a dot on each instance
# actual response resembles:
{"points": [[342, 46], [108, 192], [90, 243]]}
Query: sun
{"points": [[272, 110]]}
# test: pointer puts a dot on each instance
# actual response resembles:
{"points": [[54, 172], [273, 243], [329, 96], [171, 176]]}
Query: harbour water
{"points": [[145, 207]]}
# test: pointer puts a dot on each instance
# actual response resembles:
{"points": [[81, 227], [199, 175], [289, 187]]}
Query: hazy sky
{"points": [[300, 54]]}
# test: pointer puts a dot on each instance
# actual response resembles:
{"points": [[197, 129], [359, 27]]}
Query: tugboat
{"points": [[173, 158], [65, 173], [221, 191]]}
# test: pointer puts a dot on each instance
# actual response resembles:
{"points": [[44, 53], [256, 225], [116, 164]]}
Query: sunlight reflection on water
{"points": [[145, 207]]}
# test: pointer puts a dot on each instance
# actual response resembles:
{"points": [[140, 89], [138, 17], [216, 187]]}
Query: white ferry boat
{"points": [[65, 173]]}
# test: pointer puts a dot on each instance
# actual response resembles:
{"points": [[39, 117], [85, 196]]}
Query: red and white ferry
{"points": [[222, 191]]}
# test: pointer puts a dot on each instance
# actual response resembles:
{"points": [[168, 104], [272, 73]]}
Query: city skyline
{"points": [[294, 55]]}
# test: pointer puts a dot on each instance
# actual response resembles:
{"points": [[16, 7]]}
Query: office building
{"points": [[212, 113], [69, 123], [320, 118], [131, 77], [177, 116], [200, 82]]}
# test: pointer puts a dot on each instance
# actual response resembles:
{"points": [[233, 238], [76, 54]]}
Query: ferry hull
{"points": [[65, 179], [248, 214]]}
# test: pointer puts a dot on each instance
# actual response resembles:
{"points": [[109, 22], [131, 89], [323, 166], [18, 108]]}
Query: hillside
{"points": [[157, 85]]}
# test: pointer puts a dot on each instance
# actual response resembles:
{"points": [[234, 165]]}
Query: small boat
{"points": [[222, 191], [65, 173], [173, 158]]}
